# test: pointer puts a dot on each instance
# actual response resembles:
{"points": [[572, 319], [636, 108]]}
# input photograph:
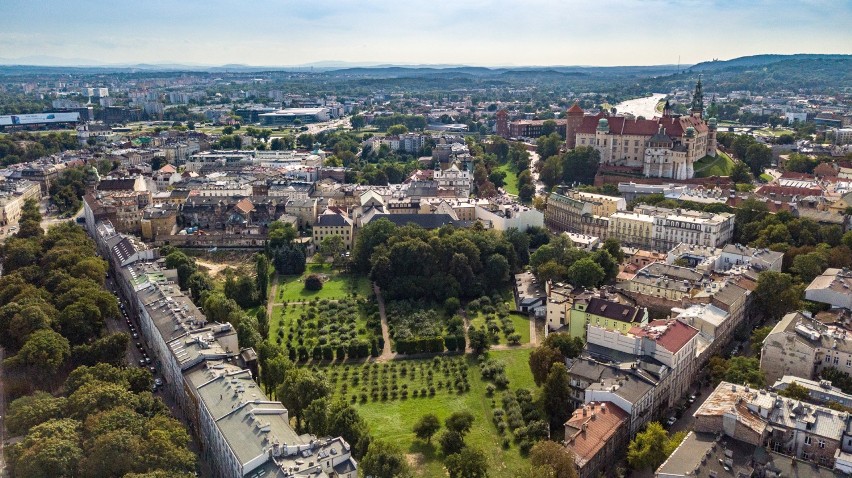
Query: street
{"points": [[2, 417]]}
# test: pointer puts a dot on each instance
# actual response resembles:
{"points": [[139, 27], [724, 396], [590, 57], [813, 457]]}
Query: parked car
{"points": [[147, 360], [139, 345], [158, 382], [135, 335], [141, 362], [152, 369], [671, 421], [692, 399]]}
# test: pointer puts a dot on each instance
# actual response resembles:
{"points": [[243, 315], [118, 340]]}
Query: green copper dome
{"points": [[603, 125]]}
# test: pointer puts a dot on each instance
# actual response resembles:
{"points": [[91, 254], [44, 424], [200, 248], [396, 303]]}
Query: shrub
{"points": [[313, 282]]}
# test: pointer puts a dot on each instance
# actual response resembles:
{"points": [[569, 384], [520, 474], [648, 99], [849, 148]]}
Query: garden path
{"points": [[387, 354]]}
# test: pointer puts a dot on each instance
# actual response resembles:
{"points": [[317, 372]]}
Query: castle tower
{"points": [[502, 123], [574, 120], [711, 137], [602, 142], [698, 100]]}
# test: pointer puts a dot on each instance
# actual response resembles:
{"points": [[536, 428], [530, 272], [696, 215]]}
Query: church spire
{"points": [[698, 100]]}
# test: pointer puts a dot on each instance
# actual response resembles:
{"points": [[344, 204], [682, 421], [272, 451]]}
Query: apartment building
{"points": [[674, 226], [242, 434], [596, 434], [564, 213], [834, 287], [333, 224], [783, 425], [669, 342], [632, 229], [13, 195], [802, 346]]}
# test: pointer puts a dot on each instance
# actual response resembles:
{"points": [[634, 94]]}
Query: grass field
{"points": [[721, 165], [338, 286], [766, 177], [393, 419], [511, 185]]}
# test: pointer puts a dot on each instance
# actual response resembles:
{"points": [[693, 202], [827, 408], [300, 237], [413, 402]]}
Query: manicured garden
{"points": [[336, 285], [394, 419], [327, 329]]}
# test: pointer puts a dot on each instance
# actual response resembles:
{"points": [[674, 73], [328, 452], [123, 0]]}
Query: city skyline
{"points": [[477, 33]]}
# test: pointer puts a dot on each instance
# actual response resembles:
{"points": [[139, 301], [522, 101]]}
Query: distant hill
{"points": [[761, 60]]}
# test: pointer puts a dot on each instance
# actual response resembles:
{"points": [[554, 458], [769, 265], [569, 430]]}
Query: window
{"points": [[807, 440], [836, 360], [821, 443]]}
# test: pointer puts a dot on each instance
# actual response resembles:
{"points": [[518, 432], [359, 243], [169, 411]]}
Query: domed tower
{"points": [[602, 140], [711, 137], [574, 119], [502, 123]]}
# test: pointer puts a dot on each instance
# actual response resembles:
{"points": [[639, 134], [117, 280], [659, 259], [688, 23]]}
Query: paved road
{"points": [[2, 417]]}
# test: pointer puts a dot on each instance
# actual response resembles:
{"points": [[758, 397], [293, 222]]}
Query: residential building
{"points": [[330, 224], [529, 128], [582, 241], [602, 205], [633, 390], [663, 281], [13, 195], [455, 180], [675, 226], [588, 310], [242, 434], [820, 392], [596, 434], [834, 287], [530, 297], [784, 425], [500, 216], [564, 213], [669, 342], [706, 455], [632, 229], [158, 220]]}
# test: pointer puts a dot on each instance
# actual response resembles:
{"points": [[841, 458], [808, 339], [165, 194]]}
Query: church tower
{"points": [[698, 101]]}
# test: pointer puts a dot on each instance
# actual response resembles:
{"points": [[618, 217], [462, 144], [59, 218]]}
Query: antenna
{"points": [[678, 63]]}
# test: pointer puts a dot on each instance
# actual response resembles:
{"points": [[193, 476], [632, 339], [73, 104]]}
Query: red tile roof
{"points": [[670, 334], [575, 108], [602, 420], [674, 127]]}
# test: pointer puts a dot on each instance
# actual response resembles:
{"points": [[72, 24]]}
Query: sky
{"points": [[469, 32]]}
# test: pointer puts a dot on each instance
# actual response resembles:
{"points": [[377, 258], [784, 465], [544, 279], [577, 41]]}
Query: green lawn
{"points": [[511, 185], [721, 165], [393, 419], [338, 286], [766, 177]]}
